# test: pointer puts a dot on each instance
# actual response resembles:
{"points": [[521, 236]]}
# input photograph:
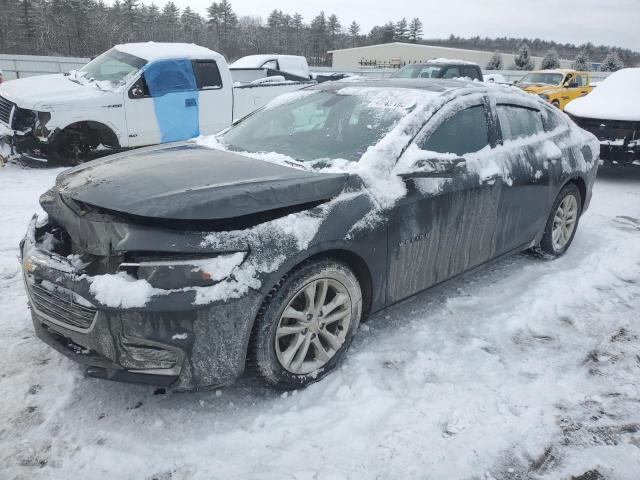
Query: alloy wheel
{"points": [[564, 222], [313, 326]]}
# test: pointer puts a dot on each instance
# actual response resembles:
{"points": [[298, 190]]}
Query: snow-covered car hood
{"points": [[616, 98], [190, 182], [45, 91]]}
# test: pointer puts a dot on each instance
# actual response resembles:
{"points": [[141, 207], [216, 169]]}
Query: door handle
{"points": [[190, 102]]}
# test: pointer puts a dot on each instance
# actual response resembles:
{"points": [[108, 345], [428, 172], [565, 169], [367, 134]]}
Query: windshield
{"points": [[112, 66], [546, 78], [320, 124], [418, 71]]}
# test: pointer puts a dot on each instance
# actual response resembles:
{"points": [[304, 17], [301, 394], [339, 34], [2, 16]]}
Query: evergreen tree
{"points": [[550, 60], [523, 59], [354, 33], [612, 62], [170, 21], [582, 62], [415, 30], [333, 29], [318, 33], [401, 30], [223, 21], [495, 62]]}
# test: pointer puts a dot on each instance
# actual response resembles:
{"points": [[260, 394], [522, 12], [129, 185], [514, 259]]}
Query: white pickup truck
{"points": [[132, 95]]}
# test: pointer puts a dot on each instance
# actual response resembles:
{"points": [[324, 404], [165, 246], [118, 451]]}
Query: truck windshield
{"points": [[546, 78], [418, 71], [112, 66], [319, 125]]}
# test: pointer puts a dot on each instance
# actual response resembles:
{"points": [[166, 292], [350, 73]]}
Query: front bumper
{"points": [[168, 342]]}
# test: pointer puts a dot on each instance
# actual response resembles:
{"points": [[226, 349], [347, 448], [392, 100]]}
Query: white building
{"points": [[397, 54]]}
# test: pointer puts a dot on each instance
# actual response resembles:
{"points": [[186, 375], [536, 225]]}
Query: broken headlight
{"points": [[23, 119], [170, 274]]}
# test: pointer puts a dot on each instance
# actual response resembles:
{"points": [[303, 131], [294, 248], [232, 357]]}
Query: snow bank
{"points": [[616, 98]]}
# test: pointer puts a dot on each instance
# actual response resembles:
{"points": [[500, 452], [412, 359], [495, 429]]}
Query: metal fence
{"points": [[510, 76], [20, 66]]}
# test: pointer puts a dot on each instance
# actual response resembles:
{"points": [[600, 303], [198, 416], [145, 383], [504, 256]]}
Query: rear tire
{"points": [[562, 223], [306, 324]]}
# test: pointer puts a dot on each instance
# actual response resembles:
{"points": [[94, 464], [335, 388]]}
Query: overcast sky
{"points": [[608, 22]]}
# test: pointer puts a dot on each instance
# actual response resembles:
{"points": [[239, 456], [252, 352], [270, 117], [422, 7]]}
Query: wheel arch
{"points": [[579, 182], [352, 259], [105, 131]]}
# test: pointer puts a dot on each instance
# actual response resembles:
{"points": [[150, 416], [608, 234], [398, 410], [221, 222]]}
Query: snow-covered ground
{"points": [[526, 369]]}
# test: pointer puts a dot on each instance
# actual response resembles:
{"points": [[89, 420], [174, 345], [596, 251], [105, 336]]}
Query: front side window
{"points": [[272, 64], [112, 66], [170, 76], [518, 122], [465, 132], [318, 125]]}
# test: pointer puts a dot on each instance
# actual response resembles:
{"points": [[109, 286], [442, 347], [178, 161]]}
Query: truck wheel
{"points": [[306, 324], [562, 223]]}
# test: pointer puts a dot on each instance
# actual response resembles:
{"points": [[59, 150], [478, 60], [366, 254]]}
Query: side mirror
{"points": [[436, 168]]}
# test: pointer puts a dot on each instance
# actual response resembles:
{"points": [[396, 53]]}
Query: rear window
{"points": [[207, 74], [518, 122]]}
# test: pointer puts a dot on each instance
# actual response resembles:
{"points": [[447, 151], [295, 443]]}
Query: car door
{"points": [[527, 157], [443, 226], [172, 88], [142, 126], [216, 105]]}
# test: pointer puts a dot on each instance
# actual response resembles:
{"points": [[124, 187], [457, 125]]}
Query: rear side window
{"points": [[452, 72], [470, 72], [466, 132], [518, 122], [207, 74]]}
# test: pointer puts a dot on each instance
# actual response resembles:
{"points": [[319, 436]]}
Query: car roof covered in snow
{"points": [[151, 51], [615, 98]]}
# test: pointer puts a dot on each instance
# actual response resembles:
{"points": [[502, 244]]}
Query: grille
{"points": [[61, 306], [5, 110]]}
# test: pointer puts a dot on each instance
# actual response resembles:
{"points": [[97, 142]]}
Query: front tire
{"points": [[563, 222], [306, 324]]}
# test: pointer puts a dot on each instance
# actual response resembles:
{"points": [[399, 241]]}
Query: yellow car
{"points": [[557, 87]]}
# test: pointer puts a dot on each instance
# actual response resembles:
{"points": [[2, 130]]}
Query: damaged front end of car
{"points": [[167, 340], [28, 134], [163, 289]]}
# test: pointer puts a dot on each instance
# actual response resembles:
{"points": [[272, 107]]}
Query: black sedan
{"points": [[266, 246]]}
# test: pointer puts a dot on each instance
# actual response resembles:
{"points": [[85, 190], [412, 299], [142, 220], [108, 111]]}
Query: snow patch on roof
{"points": [[152, 51]]}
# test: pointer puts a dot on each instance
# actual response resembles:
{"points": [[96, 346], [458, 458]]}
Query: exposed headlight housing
{"points": [[170, 274]]}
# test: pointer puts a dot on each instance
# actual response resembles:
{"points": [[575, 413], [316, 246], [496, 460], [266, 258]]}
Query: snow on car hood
{"points": [[191, 182], [616, 98], [45, 91]]}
